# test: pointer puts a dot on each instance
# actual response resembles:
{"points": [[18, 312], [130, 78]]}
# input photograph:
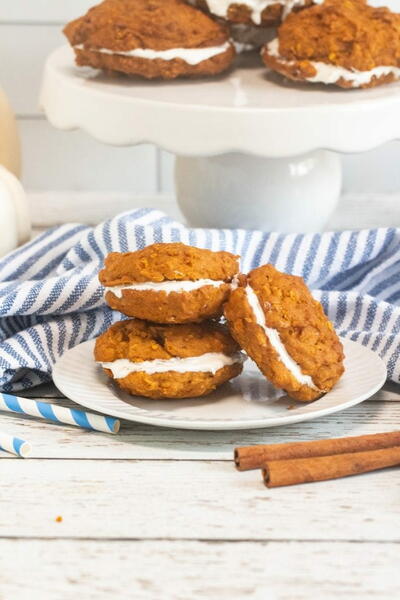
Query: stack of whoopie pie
{"points": [[176, 345], [350, 44]]}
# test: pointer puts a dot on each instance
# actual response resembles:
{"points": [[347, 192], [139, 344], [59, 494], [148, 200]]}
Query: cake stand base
{"points": [[272, 194]]}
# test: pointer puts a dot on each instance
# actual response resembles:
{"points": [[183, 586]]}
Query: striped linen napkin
{"points": [[50, 298]]}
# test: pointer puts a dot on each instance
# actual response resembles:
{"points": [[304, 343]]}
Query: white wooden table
{"points": [[163, 514]]}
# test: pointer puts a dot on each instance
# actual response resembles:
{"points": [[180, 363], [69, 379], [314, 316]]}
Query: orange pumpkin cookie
{"points": [[346, 43], [169, 283], [168, 361], [275, 319], [151, 38]]}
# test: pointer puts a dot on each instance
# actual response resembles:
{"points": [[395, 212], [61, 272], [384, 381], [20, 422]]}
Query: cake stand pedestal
{"points": [[252, 150]]}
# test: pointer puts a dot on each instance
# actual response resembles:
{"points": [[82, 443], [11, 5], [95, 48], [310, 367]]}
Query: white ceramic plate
{"points": [[248, 402]]}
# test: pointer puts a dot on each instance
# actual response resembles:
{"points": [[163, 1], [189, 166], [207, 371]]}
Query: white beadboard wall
{"points": [[55, 160]]}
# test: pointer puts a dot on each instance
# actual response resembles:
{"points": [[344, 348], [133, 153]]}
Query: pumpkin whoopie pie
{"points": [[275, 319], [342, 42], [168, 361], [151, 38], [169, 283]]}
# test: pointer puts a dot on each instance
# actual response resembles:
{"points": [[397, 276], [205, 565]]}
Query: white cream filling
{"points": [[164, 286], [211, 362], [220, 8], [275, 340], [192, 56], [330, 74]]}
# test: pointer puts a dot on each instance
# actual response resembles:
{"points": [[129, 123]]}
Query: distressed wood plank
{"points": [[191, 570], [355, 211], [136, 441], [206, 500]]}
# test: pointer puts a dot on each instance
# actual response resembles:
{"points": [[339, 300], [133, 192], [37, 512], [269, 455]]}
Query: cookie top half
{"points": [[124, 25], [274, 317], [168, 262]]}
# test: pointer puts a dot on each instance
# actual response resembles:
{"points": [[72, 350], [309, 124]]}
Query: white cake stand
{"points": [[252, 150]]}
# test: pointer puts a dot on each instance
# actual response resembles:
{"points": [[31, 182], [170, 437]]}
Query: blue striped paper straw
{"points": [[59, 414], [15, 445]]}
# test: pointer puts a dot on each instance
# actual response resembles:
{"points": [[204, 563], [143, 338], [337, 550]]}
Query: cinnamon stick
{"points": [[304, 470], [254, 457]]}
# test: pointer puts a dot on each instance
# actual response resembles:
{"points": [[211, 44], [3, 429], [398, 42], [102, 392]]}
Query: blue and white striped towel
{"points": [[50, 298]]}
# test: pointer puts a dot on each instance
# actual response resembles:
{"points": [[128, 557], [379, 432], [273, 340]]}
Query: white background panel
{"points": [[63, 160]]}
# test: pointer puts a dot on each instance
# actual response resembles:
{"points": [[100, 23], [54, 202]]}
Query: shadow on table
{"points": [[196, 445]]}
